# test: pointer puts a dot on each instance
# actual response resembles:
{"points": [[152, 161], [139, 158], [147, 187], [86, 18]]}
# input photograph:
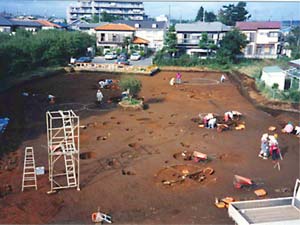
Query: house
{"points": [[11, 25], [140, 43], [5, 25], [274, 75], [294, 72], [89, 27], [113, 35], [150, 30], [47, 25], [264, 39], [127, 9], [189, 35]]}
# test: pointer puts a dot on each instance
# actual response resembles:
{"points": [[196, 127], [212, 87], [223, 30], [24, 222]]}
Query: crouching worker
{"points": [[51, 99], [125, 94], [212, 123], [288, 128]]}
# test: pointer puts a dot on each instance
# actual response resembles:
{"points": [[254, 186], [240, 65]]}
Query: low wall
{"points": [[94, 67]]}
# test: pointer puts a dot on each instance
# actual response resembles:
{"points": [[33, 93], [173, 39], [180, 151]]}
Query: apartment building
{"points": [[126, 9], [264, 39], [189, 34]]}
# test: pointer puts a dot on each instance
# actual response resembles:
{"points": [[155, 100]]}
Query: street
{"points": [[142, 62]]}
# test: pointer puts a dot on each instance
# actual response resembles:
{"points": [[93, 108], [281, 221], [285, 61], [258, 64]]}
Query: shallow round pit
{"points": [[184, 175], [87, 155]]}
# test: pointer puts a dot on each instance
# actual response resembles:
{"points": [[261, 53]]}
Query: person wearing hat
{"points": [[288, 128]]}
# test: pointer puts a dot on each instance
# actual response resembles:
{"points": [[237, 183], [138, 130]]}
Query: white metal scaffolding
{"points": [[63, 149]]}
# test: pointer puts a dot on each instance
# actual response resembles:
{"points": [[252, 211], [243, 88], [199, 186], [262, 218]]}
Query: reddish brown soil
{"points": [[127, 150]]}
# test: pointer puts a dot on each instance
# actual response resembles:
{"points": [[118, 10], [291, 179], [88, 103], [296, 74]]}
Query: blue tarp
{"points": [[3, 124]]}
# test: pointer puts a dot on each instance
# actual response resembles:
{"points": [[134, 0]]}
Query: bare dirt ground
{"points": [[130, 150]]}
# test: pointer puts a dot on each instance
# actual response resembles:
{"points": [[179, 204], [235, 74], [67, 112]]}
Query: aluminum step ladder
{"points": [[29, 175], [68, 127], [70, 170]]}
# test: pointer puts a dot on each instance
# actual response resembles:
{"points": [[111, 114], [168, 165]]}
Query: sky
{"points": [[283, 10]]}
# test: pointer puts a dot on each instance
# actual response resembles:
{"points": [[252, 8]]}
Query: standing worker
{"points": [[99, 96]]}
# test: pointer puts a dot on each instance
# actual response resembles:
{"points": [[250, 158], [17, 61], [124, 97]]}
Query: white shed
{"points": [[272, 75]]}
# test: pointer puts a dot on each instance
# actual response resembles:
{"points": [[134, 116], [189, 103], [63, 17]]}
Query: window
{"points": [[102, 38], [273, 34], [249, 50], [252, 37], [114, 38], [154, 25]]}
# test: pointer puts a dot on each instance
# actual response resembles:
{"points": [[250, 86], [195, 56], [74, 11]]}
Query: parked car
{"points": [[84, 59], [135, 56], [122, 62], [110, 55], [123, 56]]}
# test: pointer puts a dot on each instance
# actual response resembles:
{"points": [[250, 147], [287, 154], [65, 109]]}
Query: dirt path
{"points": [[120, 173]]}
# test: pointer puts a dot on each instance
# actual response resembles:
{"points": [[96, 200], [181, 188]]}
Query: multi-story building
{"points": [[189, 35], [126, 9], [264, 39], [150, 30], [113, 35]]}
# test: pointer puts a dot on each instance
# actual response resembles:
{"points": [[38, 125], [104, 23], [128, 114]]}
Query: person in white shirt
{"points": [[99, 96]]}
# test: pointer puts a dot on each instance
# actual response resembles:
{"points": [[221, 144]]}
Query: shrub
{"points": [[134, 85]]}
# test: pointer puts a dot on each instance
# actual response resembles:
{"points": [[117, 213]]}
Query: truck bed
{"points": [[268, 211]]}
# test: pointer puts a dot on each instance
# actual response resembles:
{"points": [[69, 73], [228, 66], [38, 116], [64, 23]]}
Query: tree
{"points": [[106, 17], [134, 85], [127, 41], [206, 43], [230, 14], [231, 46], [200, 14], [293, 40], [170, 42], [95, 19], [209, 17]]}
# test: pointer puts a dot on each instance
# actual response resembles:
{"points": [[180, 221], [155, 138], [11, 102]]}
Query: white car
{"points": [[110, 55], [135, 56]]}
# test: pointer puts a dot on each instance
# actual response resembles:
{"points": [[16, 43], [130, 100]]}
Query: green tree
{"points": [[95, 19], [231, 13], [231, 46], [293, 40], [127, 41], [170, 41], [200, 14], [129, 82], [106, 17], [209, 17]]}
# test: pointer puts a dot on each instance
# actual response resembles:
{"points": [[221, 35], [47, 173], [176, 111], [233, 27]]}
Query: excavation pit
{"points": [[184, 175], [87, 155]]}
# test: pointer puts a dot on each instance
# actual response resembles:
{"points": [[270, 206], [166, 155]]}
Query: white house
{"points": [[113, 35], [150, 30], [274, 75], [189, 34], [264, 39]]}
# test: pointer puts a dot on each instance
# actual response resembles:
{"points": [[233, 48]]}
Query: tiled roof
{"points": [[4, 22], [25, 23], [201, 27], [47, 23], [144, 24], [91, 25], [115, 27], [138, 40], [258, 25]]}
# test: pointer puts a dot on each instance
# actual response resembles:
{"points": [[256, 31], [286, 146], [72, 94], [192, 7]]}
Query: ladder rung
{"points": [[29, 173], [29, 178]]}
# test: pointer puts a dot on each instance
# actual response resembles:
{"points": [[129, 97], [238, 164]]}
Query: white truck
{"points": [[275, 211]]}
